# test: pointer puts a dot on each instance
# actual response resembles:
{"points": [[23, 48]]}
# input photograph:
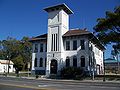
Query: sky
{"points": [[20, 18]]}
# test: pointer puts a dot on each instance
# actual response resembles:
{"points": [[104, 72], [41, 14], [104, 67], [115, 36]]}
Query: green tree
{"points": [[18, 63], [19, 51], [108, 28], [26, 51], [108, 31]]}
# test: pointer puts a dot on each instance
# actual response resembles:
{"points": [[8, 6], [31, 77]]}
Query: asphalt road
{"points": [[10, 87], [32, 84]]}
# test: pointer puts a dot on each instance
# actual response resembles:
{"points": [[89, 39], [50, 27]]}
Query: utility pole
{"points": [[104, 67], [8, 64], [117, 56], [8, 56], [93, 68]]}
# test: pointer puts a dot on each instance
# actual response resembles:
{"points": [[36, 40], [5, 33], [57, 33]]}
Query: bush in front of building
{"points": [[72, 73]]}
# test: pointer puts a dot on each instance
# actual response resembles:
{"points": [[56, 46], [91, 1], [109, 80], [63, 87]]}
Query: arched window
{"points": [[35, 62], [74, 61], [67, 62], [82, 61], [41, 62]]}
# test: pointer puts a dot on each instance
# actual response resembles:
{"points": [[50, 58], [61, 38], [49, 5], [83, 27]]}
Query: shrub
{"points": [[72, 73]]}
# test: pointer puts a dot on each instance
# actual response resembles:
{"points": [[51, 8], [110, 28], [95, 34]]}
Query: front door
{"points": [[53, 67]]}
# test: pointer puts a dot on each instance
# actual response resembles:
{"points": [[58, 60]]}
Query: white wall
{"points": [[38, 55], [4, 68]]}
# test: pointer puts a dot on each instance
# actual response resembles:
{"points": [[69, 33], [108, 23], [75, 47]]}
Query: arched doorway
{"points": [[53, 67]]}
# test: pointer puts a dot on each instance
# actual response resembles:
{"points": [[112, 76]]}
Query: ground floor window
{"points": [[35, 62], [82, 61], [41, 62], [67, 62], [74, 61]]}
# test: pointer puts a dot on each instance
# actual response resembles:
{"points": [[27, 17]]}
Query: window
{"points": [[36, 48], [82, 61], [67, 62], [91, 47], [82, 44], [52, 43], [45, 47], [74, 61], [35, 62], [41, 47], [67, 45], [75, 45], [45, 61], [56, 41], [9, 67], [90, 61], [41, 62]]}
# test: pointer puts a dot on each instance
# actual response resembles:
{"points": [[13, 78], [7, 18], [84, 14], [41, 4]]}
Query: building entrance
{"points": [[53, 67]]}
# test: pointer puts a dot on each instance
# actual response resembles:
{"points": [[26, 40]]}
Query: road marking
{"points": [[57, 84], [23, 86], [43, 85]]}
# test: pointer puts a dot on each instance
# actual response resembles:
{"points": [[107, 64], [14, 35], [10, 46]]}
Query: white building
{"points": [[62, 47], [4, 66]]}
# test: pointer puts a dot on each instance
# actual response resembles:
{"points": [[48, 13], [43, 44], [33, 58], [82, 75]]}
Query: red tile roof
{"points": [[76, 32], [40, 37]]}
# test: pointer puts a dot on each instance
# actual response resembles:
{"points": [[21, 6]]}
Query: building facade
{"points": [[62, 47], [4, 66]]}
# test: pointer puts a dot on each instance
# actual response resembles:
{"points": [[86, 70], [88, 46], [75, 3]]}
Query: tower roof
{"points": [[59, 7]]}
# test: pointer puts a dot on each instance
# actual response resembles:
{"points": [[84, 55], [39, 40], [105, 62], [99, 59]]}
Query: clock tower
{"points": [[58, 25]]}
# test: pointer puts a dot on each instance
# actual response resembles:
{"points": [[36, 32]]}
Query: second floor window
{"points": [[75, 45], [67, 45], [36, 48], [41, 47], [82, 44], [45, 47]]}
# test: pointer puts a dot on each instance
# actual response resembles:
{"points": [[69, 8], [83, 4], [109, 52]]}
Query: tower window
{"points": [[56, 42], [52, 43]]}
